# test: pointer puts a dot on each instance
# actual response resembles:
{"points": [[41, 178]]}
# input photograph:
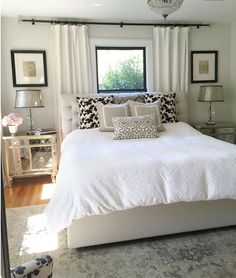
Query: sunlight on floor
{"points": [[37, 237], [47, 191]]}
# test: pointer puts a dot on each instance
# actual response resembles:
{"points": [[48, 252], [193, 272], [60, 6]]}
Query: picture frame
{"points": [[29, 68], [204, 66]]}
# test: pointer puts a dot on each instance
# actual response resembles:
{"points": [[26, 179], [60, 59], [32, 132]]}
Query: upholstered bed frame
{"points": [[142, 222]]}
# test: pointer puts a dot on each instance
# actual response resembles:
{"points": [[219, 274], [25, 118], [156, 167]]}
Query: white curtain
{"points": [[71, 63], [171, 65], [71, 59]]}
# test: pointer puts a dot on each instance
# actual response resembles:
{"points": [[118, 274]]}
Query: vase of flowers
{"points": [[13, 129], [12, 121]]}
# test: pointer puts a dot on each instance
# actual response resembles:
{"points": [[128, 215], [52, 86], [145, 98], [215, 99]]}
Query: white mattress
{"points": [[99, 175]]}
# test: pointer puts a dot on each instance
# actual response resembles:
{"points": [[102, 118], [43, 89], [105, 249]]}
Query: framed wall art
{"points": [[29, 68], [204, 66]]}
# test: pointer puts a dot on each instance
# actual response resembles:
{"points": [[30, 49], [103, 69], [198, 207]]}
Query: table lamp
{"points": [[29, 99], [211, 93]]}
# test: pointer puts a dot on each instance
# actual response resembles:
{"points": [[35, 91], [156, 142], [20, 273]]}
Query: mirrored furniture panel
{"points": [[221, 131], [30, 155]]}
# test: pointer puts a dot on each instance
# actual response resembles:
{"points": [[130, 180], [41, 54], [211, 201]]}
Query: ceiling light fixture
{"points": [[164, 7]]}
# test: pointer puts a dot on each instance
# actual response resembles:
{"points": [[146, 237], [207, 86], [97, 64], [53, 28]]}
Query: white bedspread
{"points": [[99, 175]]}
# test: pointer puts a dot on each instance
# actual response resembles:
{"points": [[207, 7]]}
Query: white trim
{"points": [[147, 43]]}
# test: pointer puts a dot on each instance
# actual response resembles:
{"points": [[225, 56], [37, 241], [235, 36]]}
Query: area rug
{"points": [[203, 254]]}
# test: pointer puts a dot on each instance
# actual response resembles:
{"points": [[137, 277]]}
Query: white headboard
{"points": [[69, 111]]}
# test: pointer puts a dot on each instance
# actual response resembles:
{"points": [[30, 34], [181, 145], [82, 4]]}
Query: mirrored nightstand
{"points": [[30, 155], [222, 131]]}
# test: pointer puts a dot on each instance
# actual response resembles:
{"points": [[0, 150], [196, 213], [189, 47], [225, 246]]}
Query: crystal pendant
{"points": [[164, 7]]}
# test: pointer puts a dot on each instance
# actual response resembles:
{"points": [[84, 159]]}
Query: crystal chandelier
{"points": [[164, 7]]}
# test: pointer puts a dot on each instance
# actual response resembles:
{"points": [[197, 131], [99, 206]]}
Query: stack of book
{"points": [[43, 131]]}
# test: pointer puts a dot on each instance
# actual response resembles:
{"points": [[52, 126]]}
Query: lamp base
{"points": [[210, 122], [211, 114], [30, 132], [31, 127]]}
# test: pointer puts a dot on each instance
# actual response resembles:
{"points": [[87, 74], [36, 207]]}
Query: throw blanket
{"points": [[99, 175]]}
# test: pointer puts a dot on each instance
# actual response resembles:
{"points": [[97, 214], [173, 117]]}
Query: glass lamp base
{"points": [[210, 122], [211, 115], [30, 132]]}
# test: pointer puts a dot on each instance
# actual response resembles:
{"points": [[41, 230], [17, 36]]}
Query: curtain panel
{"points": [[71, 59], [171, 65], [71, 63]]}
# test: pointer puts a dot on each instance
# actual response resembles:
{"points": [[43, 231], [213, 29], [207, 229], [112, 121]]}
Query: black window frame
{"points": [[123, 48]]}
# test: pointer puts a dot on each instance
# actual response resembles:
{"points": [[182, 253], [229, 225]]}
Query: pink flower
{"points": [[12, 119]]}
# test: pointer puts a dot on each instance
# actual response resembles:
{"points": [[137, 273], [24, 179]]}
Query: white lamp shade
{"points": [[28, 99], [211, 93]]}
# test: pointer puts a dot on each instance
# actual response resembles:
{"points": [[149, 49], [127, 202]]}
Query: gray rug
{"points": [[203, 254]]}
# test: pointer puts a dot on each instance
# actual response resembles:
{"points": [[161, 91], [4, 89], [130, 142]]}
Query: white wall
{"points": [[233, 71], [215, 38], [26, 36]]}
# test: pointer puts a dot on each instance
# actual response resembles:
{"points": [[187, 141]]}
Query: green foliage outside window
{"points": [[127, 75]]}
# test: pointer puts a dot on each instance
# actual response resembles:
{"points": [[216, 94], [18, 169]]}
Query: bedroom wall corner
{"points": [[25, 37], [217, 37], [233, 71]]}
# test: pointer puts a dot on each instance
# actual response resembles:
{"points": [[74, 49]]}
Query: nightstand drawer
{"points": [[226, 137], [224, 130], [30, 155]]}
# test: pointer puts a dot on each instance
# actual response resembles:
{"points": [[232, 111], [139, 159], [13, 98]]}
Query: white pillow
{"points": [[141, 109], [108, 111]]}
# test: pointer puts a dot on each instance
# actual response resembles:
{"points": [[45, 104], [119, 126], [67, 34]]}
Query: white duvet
{"points": [[99, 175]]}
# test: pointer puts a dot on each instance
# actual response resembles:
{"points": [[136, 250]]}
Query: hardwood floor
{"points": [[29, 191]]}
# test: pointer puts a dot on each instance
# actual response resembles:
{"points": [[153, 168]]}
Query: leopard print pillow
{"points": [[167, 110], [88, 110]]}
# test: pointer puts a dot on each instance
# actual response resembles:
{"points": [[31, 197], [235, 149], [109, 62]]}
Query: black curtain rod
{"points": [[121, 24]]}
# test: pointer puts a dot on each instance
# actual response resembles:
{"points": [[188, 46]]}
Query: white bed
{"points": [[111, 190]]}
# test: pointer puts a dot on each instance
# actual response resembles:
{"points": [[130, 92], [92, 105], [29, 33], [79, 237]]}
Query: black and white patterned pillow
{"points": [[123, 98], [40, 267], [168, 110], [135, 127], [88, 110]]}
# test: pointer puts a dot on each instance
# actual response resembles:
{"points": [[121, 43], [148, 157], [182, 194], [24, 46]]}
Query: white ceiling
{"points": [[120, 10]]}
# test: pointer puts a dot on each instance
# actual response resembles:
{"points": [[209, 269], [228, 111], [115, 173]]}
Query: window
{"points": [[121, 69]]}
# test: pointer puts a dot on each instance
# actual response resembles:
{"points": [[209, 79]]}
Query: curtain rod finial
{"points": [[19, 19]]}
